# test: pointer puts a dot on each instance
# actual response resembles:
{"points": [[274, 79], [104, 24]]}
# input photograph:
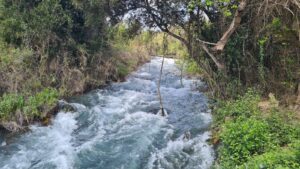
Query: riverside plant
{"points": [[254, 138], [20, 109]]}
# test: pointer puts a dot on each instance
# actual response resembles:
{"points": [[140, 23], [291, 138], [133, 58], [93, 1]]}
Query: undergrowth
{"points": [[251, 138], [13, 106]]}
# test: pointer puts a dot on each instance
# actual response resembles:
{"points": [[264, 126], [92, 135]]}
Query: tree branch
{"points": [[233, 26], [205, 42], [215, 60], [153, 16]]}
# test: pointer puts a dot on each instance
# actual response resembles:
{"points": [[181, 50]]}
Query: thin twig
{"points": [[163, 113]]}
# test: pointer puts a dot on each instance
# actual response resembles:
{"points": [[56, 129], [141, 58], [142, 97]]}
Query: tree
{"points": [[190, 16]]}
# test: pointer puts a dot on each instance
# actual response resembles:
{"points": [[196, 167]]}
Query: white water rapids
{"points": [[117, 128]]}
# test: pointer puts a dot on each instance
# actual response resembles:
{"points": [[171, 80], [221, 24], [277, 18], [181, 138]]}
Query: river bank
{"points": [[20, 110], [252, 130]]}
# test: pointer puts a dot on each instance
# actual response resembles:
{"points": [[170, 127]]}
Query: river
{"points": [[117, 128]]}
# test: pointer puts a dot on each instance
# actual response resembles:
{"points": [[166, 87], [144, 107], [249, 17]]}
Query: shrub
{"points": [[283, 132], [244, 106], [9, 104], [254, 139], [36, 104], [122, 70], [297, 149], [31, 107], [283, 158], [192, 67], [242, 139]]}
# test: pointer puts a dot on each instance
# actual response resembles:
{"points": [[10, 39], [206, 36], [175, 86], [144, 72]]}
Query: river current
{"points": [[117, 128]]}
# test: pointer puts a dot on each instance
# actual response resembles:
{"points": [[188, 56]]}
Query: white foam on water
{"points": [[205, 152], [201, 158], [51, 146], [62, 129], [143, 75], [112, 115], [206, 117], [138, 121], [3, 144]]}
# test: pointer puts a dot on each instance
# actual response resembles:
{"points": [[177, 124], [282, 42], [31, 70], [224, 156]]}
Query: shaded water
{"points": [[116, 128]]}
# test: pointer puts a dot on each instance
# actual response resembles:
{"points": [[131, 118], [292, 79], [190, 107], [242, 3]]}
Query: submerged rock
{"points": [[65, 106]]}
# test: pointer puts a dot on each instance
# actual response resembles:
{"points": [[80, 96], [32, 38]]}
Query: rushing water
{"points": [[116, 128]]}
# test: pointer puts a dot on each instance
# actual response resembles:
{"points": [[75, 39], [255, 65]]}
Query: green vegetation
{"points": [[9, 104], [175, 48], [130, 47], [242, 139], [48, 46], [191, 67], [37, 105], [280, 158], [243, 106], [20, 106], [252, 138]]}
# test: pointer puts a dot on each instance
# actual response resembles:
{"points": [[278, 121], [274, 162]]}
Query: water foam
{"points": [[49, 145], [200, 154]]}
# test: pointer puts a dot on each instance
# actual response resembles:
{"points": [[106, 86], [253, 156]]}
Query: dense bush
{"points": [[9, 104], [283, 131], [242, 139], [243, 106], [191, 67], [253, 138], [56, 43], [283, 158], [130, 48], [30, 107], [40, 102]]}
